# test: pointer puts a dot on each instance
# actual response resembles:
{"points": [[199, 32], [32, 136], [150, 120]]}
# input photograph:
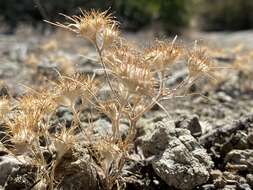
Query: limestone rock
{"points": [[178, 158], [190, 123], [76, 172], [8, 164], [240, 160]]}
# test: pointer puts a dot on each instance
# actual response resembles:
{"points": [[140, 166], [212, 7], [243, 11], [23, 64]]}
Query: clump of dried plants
{"points": [[134, 81]]}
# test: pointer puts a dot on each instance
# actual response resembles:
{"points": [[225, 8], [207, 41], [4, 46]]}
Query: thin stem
{"points": [[77, 121], [131, 131], [154, 101], [106, 74]]}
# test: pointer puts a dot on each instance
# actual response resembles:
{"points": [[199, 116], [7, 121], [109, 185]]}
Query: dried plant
{"points": [[5, 107], [199, 64], [134, 81], [162, 55], [131, 70], [111, 157], [68, 89], [98, 27]]}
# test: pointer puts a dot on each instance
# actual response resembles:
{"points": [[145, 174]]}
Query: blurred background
{"points": [[169, 15]]}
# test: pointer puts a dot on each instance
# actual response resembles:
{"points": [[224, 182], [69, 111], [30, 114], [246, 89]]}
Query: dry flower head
{"points": [[162, 54], [199, 63], [130, 68], [98, 27], [68, 89]]}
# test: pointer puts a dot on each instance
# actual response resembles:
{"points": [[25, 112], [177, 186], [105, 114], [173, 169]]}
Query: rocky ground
{"points": [[206, 142]]}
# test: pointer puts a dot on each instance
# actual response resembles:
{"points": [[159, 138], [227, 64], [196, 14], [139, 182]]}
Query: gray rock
{"points": [[208, 187], [244, 186], [18, 52], [241, 160], [3, 150], [231, 87], [250, 138], [47, 69], [23, 177], [229, 136], [223, 97], [9, 69], [177, 77], [206, 127], [191, 123], [178, 158], [76, 172], [3, 136], [224, 180], [15, 173], [103, 127], [235, 141], [249, 178], [65, 115], [8, 164], [89, 64]]}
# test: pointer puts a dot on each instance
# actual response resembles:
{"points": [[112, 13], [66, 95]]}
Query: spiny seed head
{"points": [[23, 125], [98, 27], [110, 108], [70, 88], [198, 63], [124, 53], [162, 54], [22, 130], [90, 23], [110, 155], [130, 68], [106, 37], [36, 102]]}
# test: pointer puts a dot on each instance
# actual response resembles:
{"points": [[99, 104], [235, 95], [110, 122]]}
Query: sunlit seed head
{"points": [[69, 89], [36, 102], [162, 54], [129, 67], [95, 26], [106, 37], [22, 131], [198, 63]]}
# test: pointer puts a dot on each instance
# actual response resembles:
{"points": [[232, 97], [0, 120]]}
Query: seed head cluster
{"points": [[131, 69], [133, 81], [198, 63], [162, 55], [98, 27]]}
